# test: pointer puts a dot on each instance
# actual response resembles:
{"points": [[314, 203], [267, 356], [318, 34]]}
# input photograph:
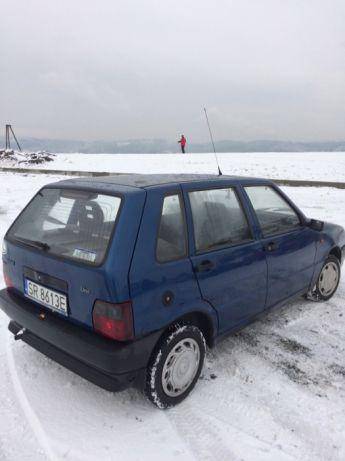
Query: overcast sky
{"points": [[125, 69]]}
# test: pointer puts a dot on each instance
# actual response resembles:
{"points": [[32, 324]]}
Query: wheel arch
{"points": [[198, 318], [202, 321], [336, 251]]}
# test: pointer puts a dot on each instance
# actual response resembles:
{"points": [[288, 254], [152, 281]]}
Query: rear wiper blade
{"points": [[35, 243]]}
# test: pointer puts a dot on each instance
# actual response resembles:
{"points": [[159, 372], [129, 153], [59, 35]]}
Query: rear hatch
{"points": [[59, 251]]}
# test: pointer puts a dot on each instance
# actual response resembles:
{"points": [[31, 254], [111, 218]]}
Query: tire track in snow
{"points": [[203, 441], [204, 432], [256, 447], [31, 416]]}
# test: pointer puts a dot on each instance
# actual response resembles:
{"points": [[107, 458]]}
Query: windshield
{"points": [[69, 223]]}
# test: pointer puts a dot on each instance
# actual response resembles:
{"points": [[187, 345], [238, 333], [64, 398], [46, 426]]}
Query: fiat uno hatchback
{"points": [[125, 279]]}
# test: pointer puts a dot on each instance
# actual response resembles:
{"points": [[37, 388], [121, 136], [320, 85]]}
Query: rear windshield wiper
{"points": [[34, 243]]}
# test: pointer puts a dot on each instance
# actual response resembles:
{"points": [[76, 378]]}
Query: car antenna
{"points": [[214, 149]]}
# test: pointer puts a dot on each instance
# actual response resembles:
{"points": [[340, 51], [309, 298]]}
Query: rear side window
{"points": [[68, 223], [218, 218], [171, 240], [275, 215]]}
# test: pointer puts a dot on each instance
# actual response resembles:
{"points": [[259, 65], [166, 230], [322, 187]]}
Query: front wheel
{"points": [[175, 366], [328, 280]]}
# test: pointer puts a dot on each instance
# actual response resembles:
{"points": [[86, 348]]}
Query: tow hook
{"points": [[19, 334]]}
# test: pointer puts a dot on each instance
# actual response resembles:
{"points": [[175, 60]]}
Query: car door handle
{"points": [[204, 266], [271, 246]]}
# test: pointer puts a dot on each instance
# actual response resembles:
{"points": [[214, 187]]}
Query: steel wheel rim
{"points": [[328, 279], [180, 367]]}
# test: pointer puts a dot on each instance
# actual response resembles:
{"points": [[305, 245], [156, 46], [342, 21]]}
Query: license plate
{"points": [[45, 296]]}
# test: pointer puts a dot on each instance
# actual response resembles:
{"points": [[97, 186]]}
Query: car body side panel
{"points": [[291, 265], [332, 236], [151, 281], [236, 286]]}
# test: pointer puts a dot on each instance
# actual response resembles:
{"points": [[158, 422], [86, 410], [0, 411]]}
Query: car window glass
{"points": [[58, 216], [60, 213], [73, 224], [218, 219], [171, 241], [275, 215]]}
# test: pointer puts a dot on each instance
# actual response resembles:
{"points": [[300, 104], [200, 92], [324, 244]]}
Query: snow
{"points": [[325, 166], [275, 391], [10, 158]]}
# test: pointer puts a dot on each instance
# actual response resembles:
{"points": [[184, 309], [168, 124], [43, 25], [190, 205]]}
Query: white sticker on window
{"points": [[86, 255]]}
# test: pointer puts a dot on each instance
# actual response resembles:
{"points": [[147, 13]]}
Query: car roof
{"points": [[144, 181]]}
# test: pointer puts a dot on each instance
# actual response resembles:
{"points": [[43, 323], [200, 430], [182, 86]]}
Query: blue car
{"points": [[125, 279]]}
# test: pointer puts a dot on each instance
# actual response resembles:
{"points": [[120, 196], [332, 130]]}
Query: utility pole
{"points": [[7, 136], [9, 130]]}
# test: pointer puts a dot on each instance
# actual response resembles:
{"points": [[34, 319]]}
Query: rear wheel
{"points": [[328, 280], [175, 366]]}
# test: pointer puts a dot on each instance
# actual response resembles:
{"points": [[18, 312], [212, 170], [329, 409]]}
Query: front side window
{"points": [[171, 241], [275, 215], [68, 223], [218, 218]]}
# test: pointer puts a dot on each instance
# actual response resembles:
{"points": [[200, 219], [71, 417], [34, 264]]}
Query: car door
{"points": [[289, 244], [229, 263]]}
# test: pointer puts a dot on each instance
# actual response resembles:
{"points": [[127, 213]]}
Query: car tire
{"points": [[328, 280], [175, 366]]}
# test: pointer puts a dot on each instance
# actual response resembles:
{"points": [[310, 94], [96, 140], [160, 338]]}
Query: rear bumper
{"points": [[111, 365]]}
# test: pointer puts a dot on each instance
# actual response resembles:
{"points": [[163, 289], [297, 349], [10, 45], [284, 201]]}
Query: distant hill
{"points": [[162, 146]]}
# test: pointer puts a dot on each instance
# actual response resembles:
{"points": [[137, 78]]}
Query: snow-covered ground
{"points": [[318, 166], [275, 391]]}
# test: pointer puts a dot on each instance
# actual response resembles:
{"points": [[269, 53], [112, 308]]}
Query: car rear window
{"points": [[69, 223]]}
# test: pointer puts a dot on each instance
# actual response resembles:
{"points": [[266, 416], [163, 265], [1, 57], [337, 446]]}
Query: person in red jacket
{"points": [[183, 141]]}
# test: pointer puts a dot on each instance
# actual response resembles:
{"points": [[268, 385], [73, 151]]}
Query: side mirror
{"points": [[316, 224]]}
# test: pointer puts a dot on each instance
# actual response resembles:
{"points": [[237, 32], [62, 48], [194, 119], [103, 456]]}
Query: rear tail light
{"points": [[4, 247], [114, 321], [7, 279]]}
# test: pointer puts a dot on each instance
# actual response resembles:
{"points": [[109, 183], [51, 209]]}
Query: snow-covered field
{"points": [[325, 166], [275, 391]]}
